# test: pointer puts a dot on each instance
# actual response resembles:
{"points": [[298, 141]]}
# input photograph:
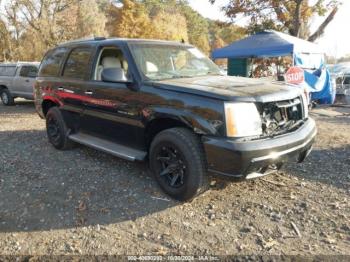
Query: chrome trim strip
{"points": [[68, 91], [290, 104]]}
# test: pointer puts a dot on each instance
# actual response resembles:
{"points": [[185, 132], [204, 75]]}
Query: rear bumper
{"points": [[250, 159]]}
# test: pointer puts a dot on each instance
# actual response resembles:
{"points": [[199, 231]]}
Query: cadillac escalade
{"points": [[167, 103]]}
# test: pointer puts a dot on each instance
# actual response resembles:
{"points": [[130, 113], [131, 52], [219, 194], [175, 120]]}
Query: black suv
{"points": [[168, 103]]}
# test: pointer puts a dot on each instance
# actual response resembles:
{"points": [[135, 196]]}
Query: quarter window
{"points": [[7, 70], [52, 62], [77, 65]]}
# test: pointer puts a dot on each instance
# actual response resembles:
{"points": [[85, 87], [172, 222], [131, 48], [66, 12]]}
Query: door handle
{"points": [[27, 81], [65, 90], [89, 92]]}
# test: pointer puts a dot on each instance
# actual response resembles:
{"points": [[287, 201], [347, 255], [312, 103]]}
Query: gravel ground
{"points": [[86, 202]]}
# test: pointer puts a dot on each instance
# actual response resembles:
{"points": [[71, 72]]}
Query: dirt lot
{"points": [[86, 202]]}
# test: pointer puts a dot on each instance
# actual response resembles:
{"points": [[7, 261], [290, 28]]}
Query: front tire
{"points": [[6, 97], [178, 163], [57, 130]]}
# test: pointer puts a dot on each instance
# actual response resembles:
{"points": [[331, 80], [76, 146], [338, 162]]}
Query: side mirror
{"points": [[116, 75]]}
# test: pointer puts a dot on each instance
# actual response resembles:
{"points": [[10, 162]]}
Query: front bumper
{"points": [[255, 158]]}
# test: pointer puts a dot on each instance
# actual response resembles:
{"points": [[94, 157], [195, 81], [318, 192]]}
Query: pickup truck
{"points": [[167, 103], [16, 80]]}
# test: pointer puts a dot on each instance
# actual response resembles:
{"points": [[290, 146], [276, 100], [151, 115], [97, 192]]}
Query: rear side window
{"points": [[10, 70], [7, 70], [78, 64], [51, 64], [28, 71]]}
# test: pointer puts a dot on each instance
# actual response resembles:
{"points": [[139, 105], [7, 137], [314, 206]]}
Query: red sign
{"points": [[295, 75]]}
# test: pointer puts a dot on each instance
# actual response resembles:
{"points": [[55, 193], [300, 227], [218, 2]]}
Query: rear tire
{"points": [[57, 130], [6, 97], [178, 163]]}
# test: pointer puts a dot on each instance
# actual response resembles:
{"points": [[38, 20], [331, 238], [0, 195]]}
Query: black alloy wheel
{"points": [[53, 130], [57, 130], [178, 163], [172, 165]]}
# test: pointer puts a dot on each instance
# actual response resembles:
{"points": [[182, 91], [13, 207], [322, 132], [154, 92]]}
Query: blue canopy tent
{"points": [[275, 44]]}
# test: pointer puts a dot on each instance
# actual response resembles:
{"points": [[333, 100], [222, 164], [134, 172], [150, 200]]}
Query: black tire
{"points": [[57, 130], [6, 97], [177, 154]]}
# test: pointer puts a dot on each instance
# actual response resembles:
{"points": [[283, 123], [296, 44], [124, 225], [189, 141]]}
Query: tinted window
{"points": [[50, 66], [77, 65], [28, 71]]}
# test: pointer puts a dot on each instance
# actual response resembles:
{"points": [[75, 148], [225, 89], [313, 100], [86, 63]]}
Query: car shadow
{"points": [[21, 106], [42, 188]]}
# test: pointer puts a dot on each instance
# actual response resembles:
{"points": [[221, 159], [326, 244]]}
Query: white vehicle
{"points": [[16, 80], [343, 87]]}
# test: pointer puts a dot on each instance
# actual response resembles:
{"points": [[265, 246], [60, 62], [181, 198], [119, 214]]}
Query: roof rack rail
{"points": [[18, 62], [99, 38], [95, 38], [27, 62]]}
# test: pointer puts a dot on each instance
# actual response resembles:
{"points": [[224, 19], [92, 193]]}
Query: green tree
{"points": [[227, 32], [198, 28], [47, 23], [292, 16], [130, 20], [196, 25], [170, 26], [5, 42], [90, 20]]}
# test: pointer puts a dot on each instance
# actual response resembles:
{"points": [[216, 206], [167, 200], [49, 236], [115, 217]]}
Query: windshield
{"points": [[160, 61]]}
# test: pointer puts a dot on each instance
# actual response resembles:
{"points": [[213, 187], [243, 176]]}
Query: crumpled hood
{"points": [[232, 88]]}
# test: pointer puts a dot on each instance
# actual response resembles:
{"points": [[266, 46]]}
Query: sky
{"points": [[335, 41]]}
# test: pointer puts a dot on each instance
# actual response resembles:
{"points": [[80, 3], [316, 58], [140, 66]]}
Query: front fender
{"points": [[198, 124]]}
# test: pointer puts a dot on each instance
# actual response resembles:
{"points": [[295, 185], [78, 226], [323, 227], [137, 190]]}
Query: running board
{"points": [[108, 147]]}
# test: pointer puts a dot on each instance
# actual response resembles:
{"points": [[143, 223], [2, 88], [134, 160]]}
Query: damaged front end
{"points": [[282, 116]]}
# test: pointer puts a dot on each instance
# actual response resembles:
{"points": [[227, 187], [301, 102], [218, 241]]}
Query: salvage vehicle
{"points": [[167, 103], [17, 80]]}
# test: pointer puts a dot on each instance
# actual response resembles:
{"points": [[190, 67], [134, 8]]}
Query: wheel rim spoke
{"points": [[164, 159], [170, 153], [166, 171], [174, 179], [172, 166], [53, 130]]}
